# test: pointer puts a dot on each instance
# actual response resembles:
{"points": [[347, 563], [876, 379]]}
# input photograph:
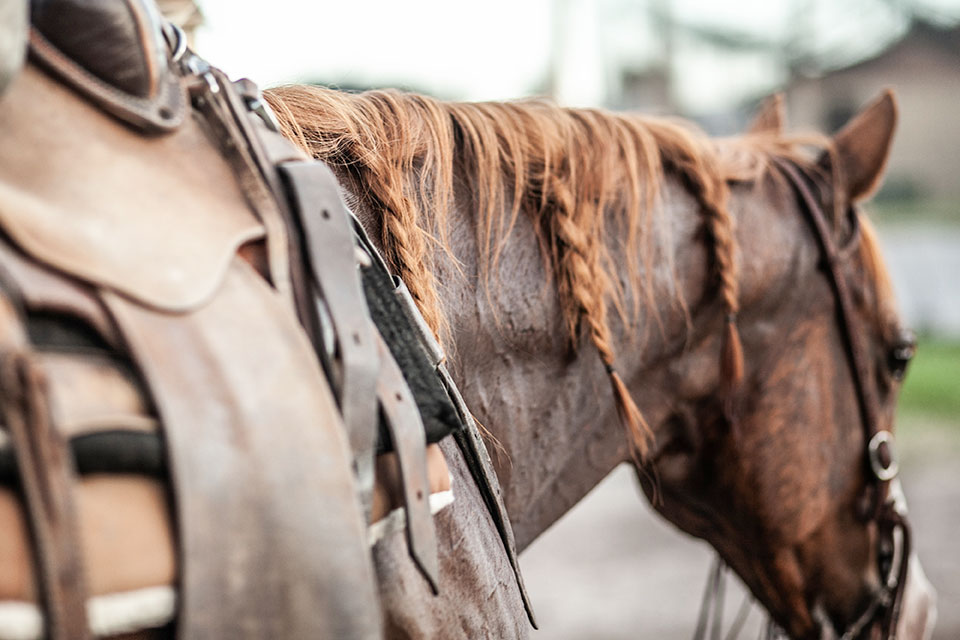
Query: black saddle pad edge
{"points": [[112, 452]]}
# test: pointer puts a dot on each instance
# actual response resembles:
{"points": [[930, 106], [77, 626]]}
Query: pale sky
{"points": [[500, 49]]}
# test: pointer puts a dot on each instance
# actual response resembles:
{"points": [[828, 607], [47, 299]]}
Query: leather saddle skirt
{"points": [[170, 444]]}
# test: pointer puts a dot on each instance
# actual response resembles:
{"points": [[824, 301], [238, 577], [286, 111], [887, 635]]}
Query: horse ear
{"points": [[771, 116], [863, 145]]}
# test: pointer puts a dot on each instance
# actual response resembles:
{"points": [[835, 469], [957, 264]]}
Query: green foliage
{"points": [[932, 386], [885, 211]]}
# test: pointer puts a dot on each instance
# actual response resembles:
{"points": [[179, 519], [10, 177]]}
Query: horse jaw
{"points": [[918, 615]]}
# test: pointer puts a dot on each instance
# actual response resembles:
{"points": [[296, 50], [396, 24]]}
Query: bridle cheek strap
{"points": [[888, 512]]}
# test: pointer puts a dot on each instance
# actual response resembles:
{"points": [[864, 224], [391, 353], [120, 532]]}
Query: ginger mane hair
{"points": [[570, 171]]}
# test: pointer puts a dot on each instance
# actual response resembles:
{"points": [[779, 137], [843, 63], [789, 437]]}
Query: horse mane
{"points": [[572, 171]]}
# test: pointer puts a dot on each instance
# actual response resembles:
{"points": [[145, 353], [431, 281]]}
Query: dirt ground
{"points": [[611, 569]]}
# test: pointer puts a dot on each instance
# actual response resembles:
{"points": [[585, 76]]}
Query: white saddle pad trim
{"points": [[108, 615], [151, 607], [396, 520]]}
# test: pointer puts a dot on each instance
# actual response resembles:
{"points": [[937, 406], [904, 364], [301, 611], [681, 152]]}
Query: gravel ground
{"points": [[612, 569]]}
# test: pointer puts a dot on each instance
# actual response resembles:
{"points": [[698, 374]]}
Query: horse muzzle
{"points": [[919, 614]]}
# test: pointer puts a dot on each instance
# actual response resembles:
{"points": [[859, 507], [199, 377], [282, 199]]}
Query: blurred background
{"points": [[611, 569]]}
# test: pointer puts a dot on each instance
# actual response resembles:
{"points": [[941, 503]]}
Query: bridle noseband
{"points": [[888, 510]]}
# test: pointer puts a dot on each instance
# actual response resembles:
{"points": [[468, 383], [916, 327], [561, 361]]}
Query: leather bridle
{"points": [[887, 509]]}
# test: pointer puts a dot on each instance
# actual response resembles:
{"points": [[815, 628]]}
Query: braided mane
{"points": [[568, 170]]}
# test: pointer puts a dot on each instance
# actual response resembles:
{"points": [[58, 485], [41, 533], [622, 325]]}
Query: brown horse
{"points": [[532, 235]]}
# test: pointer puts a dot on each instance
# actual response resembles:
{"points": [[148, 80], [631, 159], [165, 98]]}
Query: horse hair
{"points": [[569, 170]]}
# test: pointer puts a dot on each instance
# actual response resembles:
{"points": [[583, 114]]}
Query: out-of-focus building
{"points": [[924, 69], [185, 14], [643, 89]]}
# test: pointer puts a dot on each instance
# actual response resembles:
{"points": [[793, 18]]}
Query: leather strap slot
{"points": [[409, 443]]}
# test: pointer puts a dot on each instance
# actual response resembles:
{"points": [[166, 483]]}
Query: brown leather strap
{"points": [[47, 479], [212, 95], [891, 521], [329, 246], [833, 259], [263, 150], [886, 512], [410, 444], [272, 540]]}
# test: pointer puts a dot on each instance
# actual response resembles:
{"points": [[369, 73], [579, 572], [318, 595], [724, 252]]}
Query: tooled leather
{"points": [[156, 219], [114, 53]]}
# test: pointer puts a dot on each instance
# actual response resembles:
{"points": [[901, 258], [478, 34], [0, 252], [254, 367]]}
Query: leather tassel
{"points": [[731, 368], [638, 430]]}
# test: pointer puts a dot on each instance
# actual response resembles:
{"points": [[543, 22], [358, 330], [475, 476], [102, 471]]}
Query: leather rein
{"points": [[887, 509]]}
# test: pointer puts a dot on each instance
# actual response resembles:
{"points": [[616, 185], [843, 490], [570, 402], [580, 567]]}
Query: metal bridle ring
{"points": [[179, 45], [883, 472]]}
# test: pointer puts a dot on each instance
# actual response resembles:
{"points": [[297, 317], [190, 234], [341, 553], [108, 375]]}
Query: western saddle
{"points": [[199, 354]]}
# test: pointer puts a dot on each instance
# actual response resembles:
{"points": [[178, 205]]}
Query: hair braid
{"points": [[570, 169], [711, 190], [585, 288]]}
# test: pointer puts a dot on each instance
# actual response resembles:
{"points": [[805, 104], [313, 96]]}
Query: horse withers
{"points": [[734, 293]]}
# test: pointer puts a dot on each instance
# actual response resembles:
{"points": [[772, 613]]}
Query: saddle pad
{"points": [[125, 530], [155, 218]]}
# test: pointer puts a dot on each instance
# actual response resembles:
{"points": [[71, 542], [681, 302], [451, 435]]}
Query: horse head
{"points": [[786, 479]]}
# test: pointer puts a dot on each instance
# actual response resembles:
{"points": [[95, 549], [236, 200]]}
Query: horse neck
{"points": [[549, 408]]}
